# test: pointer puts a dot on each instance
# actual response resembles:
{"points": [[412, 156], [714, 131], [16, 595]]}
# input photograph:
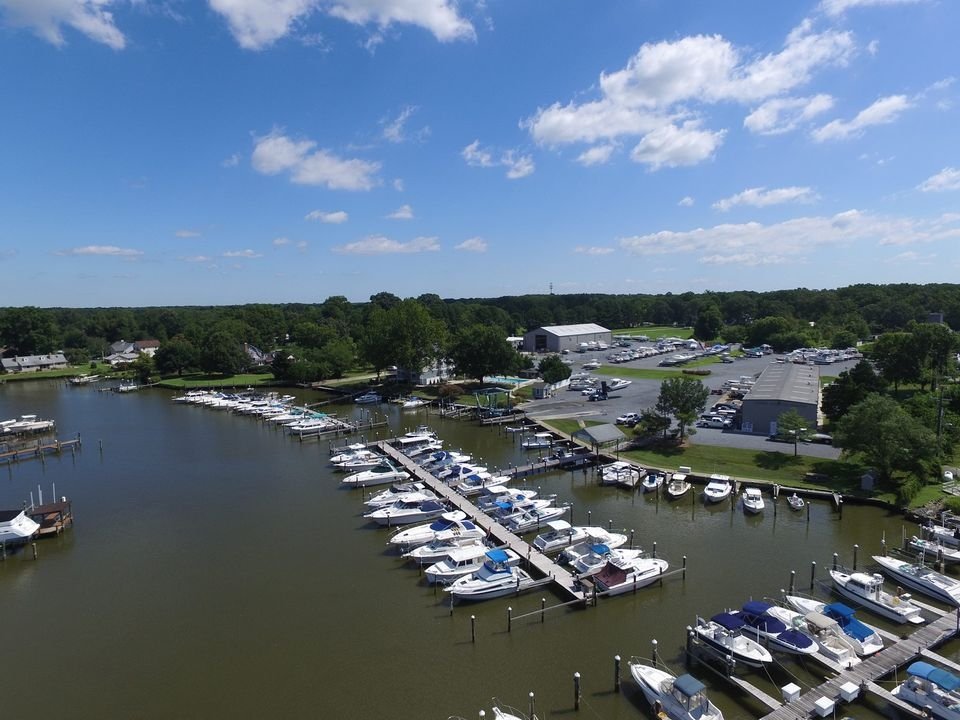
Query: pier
{"points": [[40, 448]]}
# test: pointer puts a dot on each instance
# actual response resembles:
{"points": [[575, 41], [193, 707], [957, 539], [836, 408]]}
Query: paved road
{"points": [[642, 394]]}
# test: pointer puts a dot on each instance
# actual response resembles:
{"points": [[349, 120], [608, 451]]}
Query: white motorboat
{"points": [[678, 486], [718, 489], [442, 458], [449, 526], [461, 562], [492, 498], [796, 502], [532, 519], [560, 535], [680, 698], [16, 527], [615, 384], [752, 500], [595, 536], [622, 574], [495, 578], [723, 633], [452, 474], [505, 712], [866, 640], [476, 482], [592, 562], [763, 627], [537, 441], [349, 452], [934, 550], [932, 690], [439, 549], [867, 589], [398, 491], [620, 473], [366, 460], [942, 534], [922, 579], [367, 398], [652, 481], [833, 646], [412, 403], [382, 474], [407, 511]]}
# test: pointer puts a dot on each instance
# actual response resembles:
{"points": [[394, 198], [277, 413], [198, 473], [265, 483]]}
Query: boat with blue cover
{"points": [[724, 633], [866, 640], [760, 625], [412, 508], [496, 577], [449, 526], [931, 689]]}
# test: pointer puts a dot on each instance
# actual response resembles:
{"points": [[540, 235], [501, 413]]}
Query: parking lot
{"points": [[642, 394]]}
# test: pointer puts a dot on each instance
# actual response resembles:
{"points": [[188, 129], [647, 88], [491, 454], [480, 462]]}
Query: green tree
{"points": [[340, 356], [887, 438], [897, 358], [652, 423], [415, 337], [222, 353], [935, 346], [29, 330], [480, 350], [375, 340], [793, 424], [709, 323], [851, 387], [683, 398], [175, 356], [142, 368], [553, 370]]}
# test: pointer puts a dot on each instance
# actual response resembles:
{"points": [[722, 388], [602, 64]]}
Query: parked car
{"points": [[718, 423], [629, 419], [822, 438]]}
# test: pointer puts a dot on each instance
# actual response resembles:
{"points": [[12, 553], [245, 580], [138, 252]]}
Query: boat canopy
{"points": [[600, 549], [820, 621], [505, 505], [838, 609], [454, 516], [756, 607], [947, 680], [688, 685], [558, 525], [431, 505], [728, 621], [497, 555]]}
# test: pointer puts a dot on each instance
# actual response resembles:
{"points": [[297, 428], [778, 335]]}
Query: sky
{"points": [[214, 152]]}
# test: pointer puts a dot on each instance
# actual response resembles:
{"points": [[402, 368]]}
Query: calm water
{"points": [[217, 570]]}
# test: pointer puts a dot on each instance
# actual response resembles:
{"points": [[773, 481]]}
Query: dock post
{"points": [[473, 628], [616, 673], [655, 652], [813, 572], [509, 619], [101, 446], [631, 538], [576, 691], [34, 546], [654, 549], [609, 525], [731, 666], [594, 594], [3, 550], [451, 604], [684, 567], [808, 513], [855, 549], [834, 561], [531, 705], [793, 580], [543, 607], [589, 515], [689, 654]]}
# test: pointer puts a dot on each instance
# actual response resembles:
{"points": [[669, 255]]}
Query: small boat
{"points": [[618, 384], [592, 562], [866, 640], [718, 489], [16, 527], [366, 460], [935, 550], [449, 526], [796, 502], [762, 626], [520, 429], [495, 578], [477, 482], [505, 712], [382, 474], [595, 536], [560, 535], [462, 561], [620, 473], [439, 549], [400, 490], [348, 452], [922, 579], [833, 646], [533, 518], [678, 486], [413, 403], [84, 379], [492, 497], [442, 458], [679, 698], [652, 481], [622, 574], [943, 534], [867, 589], [931, 689], [723, 632], [537, 441], [407, 510], [752, 500], [367, 398]]}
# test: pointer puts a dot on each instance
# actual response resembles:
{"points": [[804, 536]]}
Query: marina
{"points": [[146, 500]]}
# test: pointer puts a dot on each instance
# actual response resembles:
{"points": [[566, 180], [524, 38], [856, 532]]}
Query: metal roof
{"points": [[599, 434], [582, 329], [787, 382]]}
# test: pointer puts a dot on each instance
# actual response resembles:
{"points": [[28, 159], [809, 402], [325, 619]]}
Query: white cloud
{"points": [[197, 259], [518, 166], [884, 111], [474, 244], [393, 130], [46, 18], [231, 161], [381, 245], [672, 146], [243, 253], [911, 257], [276, 153], [838, 7], [187, 233], [108, 250], [404, 212], [782, 115], [796, 237], [596, 155], [761, 197], [593, 250], [657, 94], [302, 246], [873, 47], [334, 218], [744, 259], [256, 24], [280, 241], [946, 179], [686, 201], [398, 184]]}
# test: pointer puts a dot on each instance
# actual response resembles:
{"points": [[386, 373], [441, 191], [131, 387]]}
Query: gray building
{"points": [[557, 338], [780, 388], [34, 363]]}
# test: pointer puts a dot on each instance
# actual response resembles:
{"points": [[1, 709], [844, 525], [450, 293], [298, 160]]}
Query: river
{"points": [[217, 570]]}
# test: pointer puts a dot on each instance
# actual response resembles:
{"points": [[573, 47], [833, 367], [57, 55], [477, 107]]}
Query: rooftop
{"points": [[787, 382], [581, 329]]}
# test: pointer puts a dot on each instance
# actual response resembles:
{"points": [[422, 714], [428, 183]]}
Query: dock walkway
{"points": [[39, 449], [562, 579]]}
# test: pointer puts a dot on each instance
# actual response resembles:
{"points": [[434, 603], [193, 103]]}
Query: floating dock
{"points": [[39, 449]]}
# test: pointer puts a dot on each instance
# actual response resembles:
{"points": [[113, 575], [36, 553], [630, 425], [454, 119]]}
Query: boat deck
{"points": [[561, 578]]}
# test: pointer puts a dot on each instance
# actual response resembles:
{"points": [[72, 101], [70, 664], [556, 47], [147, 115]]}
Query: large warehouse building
{"points": [[557, 338], [781, 387]]}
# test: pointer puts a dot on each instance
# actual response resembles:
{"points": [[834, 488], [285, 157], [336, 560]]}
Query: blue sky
{"points": [[173, 152]]}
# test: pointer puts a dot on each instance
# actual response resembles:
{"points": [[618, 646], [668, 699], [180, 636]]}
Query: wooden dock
{"points": [[53, 517], [562, 579], [39, 449]]}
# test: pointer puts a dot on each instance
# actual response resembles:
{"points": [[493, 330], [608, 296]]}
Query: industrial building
{"points": [[558, 338], [780, 388]]}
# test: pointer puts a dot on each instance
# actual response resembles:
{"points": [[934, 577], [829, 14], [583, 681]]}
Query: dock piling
{"points": [[813, 572], [684, 567], [856, 548], [793, 580], [576, 691], [509, 619], [835, 556], [543, 610], [616, 673], [631, 538], [35, 553], [473, 628], [654, 653], [654, 549]]}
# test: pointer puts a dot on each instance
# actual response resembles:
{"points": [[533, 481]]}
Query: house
{"points": [[34, 363], [121, 346], [781, 387], [121, 358], [567, 338], [429, 375], [147, 347]]}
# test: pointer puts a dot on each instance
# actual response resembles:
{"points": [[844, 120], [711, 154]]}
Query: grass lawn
{"points": [[85, 369], [655, 332]]}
